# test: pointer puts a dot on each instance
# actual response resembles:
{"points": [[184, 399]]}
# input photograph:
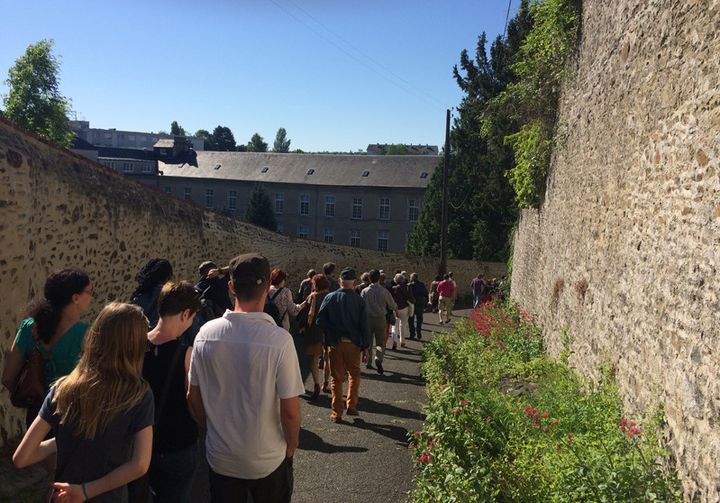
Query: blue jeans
{"points": [[171, 475], [476, 300], [416, 322]]}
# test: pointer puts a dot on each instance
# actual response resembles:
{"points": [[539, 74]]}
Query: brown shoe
{"points": [[353, 412], [315, 393], [335, 419]]}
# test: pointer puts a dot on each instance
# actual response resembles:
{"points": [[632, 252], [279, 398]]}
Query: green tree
{"points": [[282, 143], [256, 144], [176, 129], [260, 210], [223, 139], [481, 208], [394, 149], [34, 100]]}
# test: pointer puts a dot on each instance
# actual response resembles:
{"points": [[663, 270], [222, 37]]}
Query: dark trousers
{"points": [[275, 488], [171, 475], [416, 322]]}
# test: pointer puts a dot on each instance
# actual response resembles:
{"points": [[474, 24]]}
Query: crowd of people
{"points": [[116, 408]]}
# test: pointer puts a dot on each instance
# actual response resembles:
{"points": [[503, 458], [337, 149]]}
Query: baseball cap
{"points": [[348, 274], [250, 269]]}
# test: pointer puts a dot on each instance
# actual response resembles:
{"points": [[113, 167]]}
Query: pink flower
{"points": [[545, 414], [416, 435], [463, 403]]}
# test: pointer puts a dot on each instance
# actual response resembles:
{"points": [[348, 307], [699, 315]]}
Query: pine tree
{"points": [[282, 143], [260, 210], [256, 144]]}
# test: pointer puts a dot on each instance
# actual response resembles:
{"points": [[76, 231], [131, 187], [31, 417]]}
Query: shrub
{"points": [[506, 423]]}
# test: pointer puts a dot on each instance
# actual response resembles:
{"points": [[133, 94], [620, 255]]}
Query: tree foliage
{"points": [[256, 144], [260, 210], [207, 138], [222, 139], [176, 129], [34, 100], [396, 149], [481, 203], [282, 142]]}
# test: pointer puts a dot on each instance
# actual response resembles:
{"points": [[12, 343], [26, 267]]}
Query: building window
{"points": [[311, 171], [365, 174], [304, 204], [279, 202], [413, 211], [384, 208], [382, 241], [329, 235], [232, 200], [128, 167], [209, 198], [280, 228], [146, 167], [168, 190], [187, 194], [329, 206], [303, 231], [355, 239], [357, 208]]}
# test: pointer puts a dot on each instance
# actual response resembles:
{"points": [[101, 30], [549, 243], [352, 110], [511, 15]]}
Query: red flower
{"points": [[464, 403], [545, 414], [570, 438], [537, 424], [425, 457], [535, 415], [455, 411], [527, 410], [558, 447]]}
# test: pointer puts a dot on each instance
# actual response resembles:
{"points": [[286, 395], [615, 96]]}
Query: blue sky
{"points": [[336, 74]]}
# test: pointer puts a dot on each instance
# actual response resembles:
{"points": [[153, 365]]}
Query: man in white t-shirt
{"points": [[244, 387]]}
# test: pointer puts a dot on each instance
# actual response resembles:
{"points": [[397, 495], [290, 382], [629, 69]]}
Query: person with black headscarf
{"points": [[151, 279]]}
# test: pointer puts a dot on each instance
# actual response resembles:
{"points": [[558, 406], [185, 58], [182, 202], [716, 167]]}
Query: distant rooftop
{"points": [[381, 148], [406, 171]]}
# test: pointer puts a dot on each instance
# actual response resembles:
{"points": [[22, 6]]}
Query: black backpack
{"points": [[271, 309]]}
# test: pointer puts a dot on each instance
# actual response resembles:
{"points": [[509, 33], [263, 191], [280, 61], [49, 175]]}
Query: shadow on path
{"points": [[310, 441], [397, 433]]}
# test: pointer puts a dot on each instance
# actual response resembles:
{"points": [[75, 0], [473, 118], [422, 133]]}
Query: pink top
{"points": [[446, 288]]}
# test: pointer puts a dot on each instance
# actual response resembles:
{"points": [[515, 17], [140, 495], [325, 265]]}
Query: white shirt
{"points": [[244, 364], [284, 302]]}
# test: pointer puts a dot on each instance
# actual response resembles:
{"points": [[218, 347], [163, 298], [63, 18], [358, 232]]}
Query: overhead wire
{"points": [[396, 81]]}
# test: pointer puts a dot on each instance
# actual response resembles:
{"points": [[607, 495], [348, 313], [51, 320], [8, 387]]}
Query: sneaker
{"points": [[353, 412], [419, 336], [379, 366], [441, 322], [335, 419], [402, 345]]}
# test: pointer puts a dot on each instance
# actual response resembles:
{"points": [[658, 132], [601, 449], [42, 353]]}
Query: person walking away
{"points": [[329, 271], [420, 293], [53, 328], [364, 283], [213, 288], [150, 280], [282, 298], [245, 385], [166, 363], [343, 318], [101, 414], [446, 292], [477, 285], [454, 295], [434, 296], [401, 294], [314, 334], [306, 286], [377, 300]]}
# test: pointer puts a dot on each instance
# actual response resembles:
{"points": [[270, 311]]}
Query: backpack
{"points": [[271, 309]]}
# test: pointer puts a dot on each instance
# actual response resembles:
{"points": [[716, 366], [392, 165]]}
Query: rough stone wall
{"points": [[624, 251], [58, 209]]}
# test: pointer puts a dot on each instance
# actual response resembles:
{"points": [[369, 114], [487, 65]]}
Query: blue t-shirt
{"points": [[82, 460], [61, 359]]}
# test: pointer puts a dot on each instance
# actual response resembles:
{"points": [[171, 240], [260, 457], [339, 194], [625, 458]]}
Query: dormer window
{"points": [[264, 170], [366, 173], [217, 166], [311, 171], [423, 175]]}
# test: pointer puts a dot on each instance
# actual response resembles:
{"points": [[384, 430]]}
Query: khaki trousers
{"points": [[377, 334], [344, 359]]}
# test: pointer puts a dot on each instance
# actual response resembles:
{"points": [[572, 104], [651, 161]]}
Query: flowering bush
{"points": [[506, 423]]}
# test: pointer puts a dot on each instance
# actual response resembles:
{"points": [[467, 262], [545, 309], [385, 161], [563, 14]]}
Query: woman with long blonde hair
{"points": [[101, 413]]}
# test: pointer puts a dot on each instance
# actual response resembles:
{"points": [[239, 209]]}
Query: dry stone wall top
{"points": [[624, 251]]}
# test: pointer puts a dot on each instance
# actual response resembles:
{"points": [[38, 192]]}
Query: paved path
{"points": [[363, 459]]}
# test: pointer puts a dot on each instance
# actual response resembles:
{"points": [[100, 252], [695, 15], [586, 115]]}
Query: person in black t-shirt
{"points": [[167, 359], [101, 414]]}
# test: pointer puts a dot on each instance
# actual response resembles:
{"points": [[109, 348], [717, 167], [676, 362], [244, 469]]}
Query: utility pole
{"points": [[444, 218]]}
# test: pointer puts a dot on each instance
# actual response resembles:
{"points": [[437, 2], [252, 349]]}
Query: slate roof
{"points": [[328, 169]]}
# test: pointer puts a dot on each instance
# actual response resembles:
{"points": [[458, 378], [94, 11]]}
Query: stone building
{"points": [[125, 139], [370, 202]]}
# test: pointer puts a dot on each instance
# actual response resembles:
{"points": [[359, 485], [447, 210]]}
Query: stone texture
{"points": [[58, 210], [631, 209]]}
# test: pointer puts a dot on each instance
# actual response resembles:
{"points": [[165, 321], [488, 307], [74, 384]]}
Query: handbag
{"points": [[29, 389]]}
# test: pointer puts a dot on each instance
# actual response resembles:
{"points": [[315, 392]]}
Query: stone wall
{"points": [[58, 209], [624, 251]]}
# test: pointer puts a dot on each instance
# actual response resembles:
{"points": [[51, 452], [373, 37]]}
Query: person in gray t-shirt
{"points": [[378, 300]]}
